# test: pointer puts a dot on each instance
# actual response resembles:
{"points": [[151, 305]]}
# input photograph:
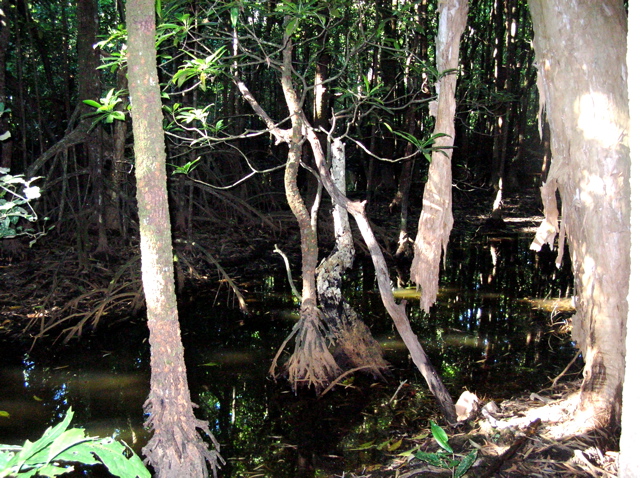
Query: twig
{"points": [[337, 380], [242, 303], [555, 380], [286, 264], [397, 391]]}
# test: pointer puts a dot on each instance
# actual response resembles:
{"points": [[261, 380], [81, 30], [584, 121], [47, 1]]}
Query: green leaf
{"points": [[291, 27], [5, 414], [68, 439], [364, 446], [395, 446], [465, 464], [410, 453], [441, 437], [112, 454], [434, 459], [93, 104], [235, 12]]}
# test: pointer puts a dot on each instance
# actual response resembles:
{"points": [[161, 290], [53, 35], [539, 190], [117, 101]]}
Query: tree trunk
{"points": [[6, 146], [357, 211], [396, 311], [580, 50], [89, 89], [311, 362], [176, 449], [436, 218], [355, 346], [629, 464]]}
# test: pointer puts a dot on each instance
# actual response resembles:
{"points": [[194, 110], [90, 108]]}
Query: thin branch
{"points": [[288, 267]]}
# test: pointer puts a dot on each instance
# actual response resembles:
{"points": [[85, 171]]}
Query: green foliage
{"points": [[201, 68], [14, 204], [59, 447], [6, 135], [425, 146], [444, 460], [105, 110], [187, 168]]}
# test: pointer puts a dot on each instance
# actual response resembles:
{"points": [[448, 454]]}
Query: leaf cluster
{"points": [[14, 204], [60, 446], [447, 460]]}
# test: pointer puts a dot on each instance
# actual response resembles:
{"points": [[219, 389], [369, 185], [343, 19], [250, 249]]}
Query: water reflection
{"points": [[488, 332]]}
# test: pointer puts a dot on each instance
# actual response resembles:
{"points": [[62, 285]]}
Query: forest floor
{"points": [[532, 435]]}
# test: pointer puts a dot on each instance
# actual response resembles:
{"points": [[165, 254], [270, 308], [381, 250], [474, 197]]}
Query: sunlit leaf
{"points": [[93, 104], [291, 27], [395, 446], [234, 12], [364, 446], [441, 437]]}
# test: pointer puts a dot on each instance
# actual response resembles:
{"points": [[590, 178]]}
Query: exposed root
{"points": [[356, 346], [311, 363], [176, 450]]}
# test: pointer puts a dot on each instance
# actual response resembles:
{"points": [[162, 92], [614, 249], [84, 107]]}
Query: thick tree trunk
{"points": [[629, 464], [176, 449], [436, 218], [580, 53]]}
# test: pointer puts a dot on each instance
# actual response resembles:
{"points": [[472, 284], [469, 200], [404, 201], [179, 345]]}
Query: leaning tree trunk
{"points": [[436, 218], [580, 54], [176, 449]]}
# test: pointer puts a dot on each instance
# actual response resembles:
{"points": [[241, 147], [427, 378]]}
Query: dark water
{"points": [[489, 332]]}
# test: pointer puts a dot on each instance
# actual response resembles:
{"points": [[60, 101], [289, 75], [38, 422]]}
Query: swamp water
{"points": [[490, 332]]}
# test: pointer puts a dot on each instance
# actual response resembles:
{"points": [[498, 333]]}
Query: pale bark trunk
{"points": [[176, 449], [355, 346], [580, 50], [436, 218], [629, 465]]}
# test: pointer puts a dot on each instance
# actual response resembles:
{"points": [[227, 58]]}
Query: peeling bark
{"points": [[436, 218], [580, 53]]}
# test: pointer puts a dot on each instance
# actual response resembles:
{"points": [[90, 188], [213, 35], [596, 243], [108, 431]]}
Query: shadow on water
{"points": [[490, 332]]}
